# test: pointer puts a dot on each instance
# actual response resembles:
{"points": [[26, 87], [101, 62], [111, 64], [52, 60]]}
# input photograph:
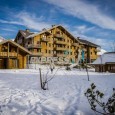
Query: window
{"points": [[58, 32], [46, 51], [49, 45], [3, 48], [38, 50]]}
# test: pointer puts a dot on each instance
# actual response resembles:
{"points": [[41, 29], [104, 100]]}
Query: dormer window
{"points": [[58, 32]]}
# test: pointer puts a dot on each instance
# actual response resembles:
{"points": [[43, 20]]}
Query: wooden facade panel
{"points": [[12, 56]]}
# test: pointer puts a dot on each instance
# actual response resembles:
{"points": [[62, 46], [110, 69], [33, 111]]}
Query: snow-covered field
{"points": [[20, 92]]}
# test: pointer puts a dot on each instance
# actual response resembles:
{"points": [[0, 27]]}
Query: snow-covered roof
{"points": [[101, 52], [105, 58], [15, 44]]}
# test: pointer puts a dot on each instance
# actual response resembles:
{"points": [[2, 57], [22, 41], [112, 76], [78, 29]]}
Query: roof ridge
{"points": [[4, 41]]}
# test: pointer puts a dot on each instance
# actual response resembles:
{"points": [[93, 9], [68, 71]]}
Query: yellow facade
{"points": [[56, 42]]}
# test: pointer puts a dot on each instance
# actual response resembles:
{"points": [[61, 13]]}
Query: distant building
{"points": [[56, 42], [105, 62], [91, 50], [12, 55]]}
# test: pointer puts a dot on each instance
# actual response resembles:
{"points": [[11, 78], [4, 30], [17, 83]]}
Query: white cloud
{"points": [[28, 20], [11, 22], [82, 29], [85, 11], [104, 43], [32, 22], [7, 29]]}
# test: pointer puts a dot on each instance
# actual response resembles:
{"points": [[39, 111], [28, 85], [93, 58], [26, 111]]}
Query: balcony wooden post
{"points": [[8, 50], [17, 64], [8, 60], [17, 52]]}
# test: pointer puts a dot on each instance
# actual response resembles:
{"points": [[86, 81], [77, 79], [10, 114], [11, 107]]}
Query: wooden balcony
{"points": [[6, 54], [47, 32], [54, 48], [44, 39], [61, 48], [61, 55], [58, 36], [75, 44], [30, 46], [55, 55], [37, 53], [60, 42]]}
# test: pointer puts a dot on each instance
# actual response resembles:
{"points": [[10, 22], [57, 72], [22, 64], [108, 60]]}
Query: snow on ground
{"points": [[20, 92]]}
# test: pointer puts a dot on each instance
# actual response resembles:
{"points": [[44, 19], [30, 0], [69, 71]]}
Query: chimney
{"points": [[44, 29], [27, 30], [53, 25]]}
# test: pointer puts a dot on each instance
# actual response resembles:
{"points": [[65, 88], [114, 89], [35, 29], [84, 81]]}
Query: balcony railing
{"points": [[75, 44], [61, 48], [33, 46], [47, 32], [59, 42], [37, 53], [59, 55], [44, 39], [58, 36], [6, 54]]}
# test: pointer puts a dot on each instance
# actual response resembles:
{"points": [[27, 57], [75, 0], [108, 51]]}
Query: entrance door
{"points": [[14, 63]]}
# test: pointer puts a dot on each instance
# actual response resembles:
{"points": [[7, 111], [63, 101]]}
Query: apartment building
{"points": [[54, 42]]}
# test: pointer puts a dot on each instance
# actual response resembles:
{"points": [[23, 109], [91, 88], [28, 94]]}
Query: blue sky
{"points": [[93, 20]]}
